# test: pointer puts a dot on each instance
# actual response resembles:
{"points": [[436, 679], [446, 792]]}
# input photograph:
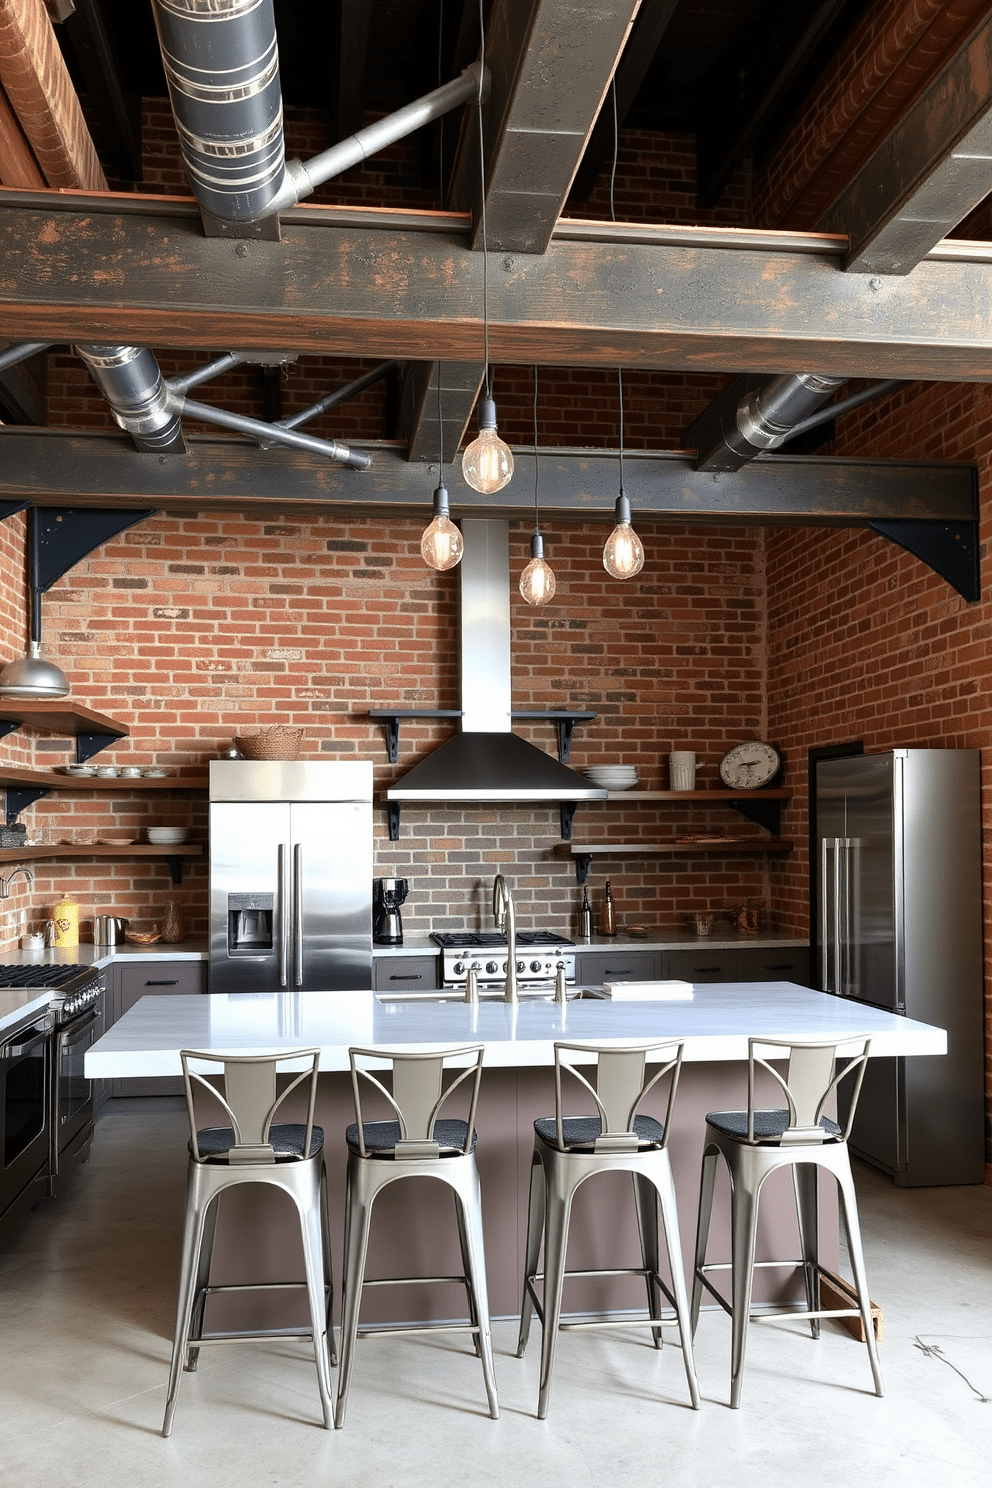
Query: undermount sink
{"points": [[451, 994]]}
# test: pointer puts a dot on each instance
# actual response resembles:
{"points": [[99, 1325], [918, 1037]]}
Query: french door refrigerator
{"points": [[899, 925], [290, 875]]}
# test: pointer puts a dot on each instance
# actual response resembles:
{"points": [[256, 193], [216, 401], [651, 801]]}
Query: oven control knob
{"points": [[535, 966], [458, 968], [492, 967], [521, 966]]}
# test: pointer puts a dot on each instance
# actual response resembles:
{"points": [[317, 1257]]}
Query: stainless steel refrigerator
{"points": [[290, 875], [899, 925]]}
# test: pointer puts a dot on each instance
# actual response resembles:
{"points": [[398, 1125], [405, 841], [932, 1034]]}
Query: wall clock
{"points": [[748, 766]]}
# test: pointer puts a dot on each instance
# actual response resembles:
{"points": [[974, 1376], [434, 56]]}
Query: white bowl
{"points": [[167, 836]]}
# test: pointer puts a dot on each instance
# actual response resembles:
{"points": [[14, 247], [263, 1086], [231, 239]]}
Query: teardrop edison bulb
{"points": [[623, 555], [487, 463], [537, 582], [442, 545]]}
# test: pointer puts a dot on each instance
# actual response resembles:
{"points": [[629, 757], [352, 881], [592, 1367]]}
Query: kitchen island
{"points": [[517, 1087]]}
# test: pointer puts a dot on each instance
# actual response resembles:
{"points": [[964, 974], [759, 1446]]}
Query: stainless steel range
{"points": [[538, 955], [46, 1103]]}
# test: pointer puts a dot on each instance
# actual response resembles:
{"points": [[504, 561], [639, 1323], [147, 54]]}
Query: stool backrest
{"points": [[811, 1079], [418, 1094], [621, 1084], [247, 1092]]}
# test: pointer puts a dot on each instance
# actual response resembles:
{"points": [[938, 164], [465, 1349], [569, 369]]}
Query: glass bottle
{"points": [[172, 928], [608, 925]]}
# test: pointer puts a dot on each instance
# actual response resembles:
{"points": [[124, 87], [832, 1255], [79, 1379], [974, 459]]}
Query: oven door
{"points": [[25, 1117], [72, 1095]]}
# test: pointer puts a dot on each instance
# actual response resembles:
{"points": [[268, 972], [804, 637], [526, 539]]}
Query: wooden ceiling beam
{"points": [[18, 166], [36, 80]]}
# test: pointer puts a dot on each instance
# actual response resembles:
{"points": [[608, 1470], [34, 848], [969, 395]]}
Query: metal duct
{"points": [[221, 61], [736, 428], [132, 383]]}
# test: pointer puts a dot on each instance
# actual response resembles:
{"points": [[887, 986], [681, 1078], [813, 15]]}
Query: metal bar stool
{"points": [[419, 1143], [252, 1150], [755, 1143], [570, 1149]]}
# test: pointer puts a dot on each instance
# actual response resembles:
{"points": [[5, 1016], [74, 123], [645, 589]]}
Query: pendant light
{"points": [[623, 553], [442, 544], [487, 463], [537, 582], [31, 676]]}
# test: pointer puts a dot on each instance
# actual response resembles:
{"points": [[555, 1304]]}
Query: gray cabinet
{"points": [[131, 982], [622, 964], [703, 964], [774, 964], [405, 973]]}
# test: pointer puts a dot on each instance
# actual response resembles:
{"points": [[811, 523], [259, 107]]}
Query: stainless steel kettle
{"points": [[108, 930]]}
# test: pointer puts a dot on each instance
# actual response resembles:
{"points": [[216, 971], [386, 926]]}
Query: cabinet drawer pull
{"points": [[780, 966], [407, 976], [172, 982], [620, 971], [707, 968]]}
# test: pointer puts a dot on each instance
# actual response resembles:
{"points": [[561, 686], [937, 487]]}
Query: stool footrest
{"points": [[375, 1332], [259, 1335], [375, 1281]]}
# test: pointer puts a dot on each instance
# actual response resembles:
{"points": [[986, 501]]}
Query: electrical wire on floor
{"points": [[934, 1351]]}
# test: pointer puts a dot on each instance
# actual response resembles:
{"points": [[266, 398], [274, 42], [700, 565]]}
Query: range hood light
{"points": [[537, 582], [31, 676], [623, 555], [442, 544], [487, 463]]}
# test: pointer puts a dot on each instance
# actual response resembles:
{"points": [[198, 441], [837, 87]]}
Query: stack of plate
{"points": [[167, 836], [613, 777]]}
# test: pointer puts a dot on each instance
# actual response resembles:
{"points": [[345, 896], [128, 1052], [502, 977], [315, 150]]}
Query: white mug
{"points": [[682, 770]]}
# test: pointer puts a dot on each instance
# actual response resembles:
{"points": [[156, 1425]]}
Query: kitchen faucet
{"points": [[505, 919], [5, 883]]}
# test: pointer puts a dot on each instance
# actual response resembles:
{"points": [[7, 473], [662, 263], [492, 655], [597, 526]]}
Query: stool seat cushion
{"points": [[582, 1131], [768, 1125], [381, 1137], [287, 1141]]}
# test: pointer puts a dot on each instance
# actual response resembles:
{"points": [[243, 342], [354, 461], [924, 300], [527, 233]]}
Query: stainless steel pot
{"points": [[108, 930]]}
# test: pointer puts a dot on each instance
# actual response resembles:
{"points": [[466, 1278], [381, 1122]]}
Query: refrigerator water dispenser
{"points": [[250, 920]]}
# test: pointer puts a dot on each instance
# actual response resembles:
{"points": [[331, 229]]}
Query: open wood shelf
{"points": [[583, 853], [14, 775], [172, 854], [59, 716]]}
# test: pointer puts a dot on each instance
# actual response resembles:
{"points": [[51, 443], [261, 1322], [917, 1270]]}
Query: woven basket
{"points": [[276, 743]]}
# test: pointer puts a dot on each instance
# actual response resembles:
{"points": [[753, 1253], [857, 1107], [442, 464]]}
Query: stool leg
{"points": [[845, 1182], [558, 1202], [805, 1181], [646, 1205], [197, 1203], [312, 1231], [707, 1183], [532, 1253], [467, 1274], [357, 1217], [325, 1230], [665, 1186], [743, 1229], [203, 1280], [469, 1197]]}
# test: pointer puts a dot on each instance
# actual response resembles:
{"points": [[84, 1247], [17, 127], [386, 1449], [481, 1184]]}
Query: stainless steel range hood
{"points": [[487, 761]]}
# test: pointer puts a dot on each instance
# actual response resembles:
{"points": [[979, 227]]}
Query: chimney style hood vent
{"points": [[486, 761]]}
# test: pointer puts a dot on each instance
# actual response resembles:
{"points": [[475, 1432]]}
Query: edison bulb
{"points": [[442, 545], [623, 555], [537, 582], [487, 463]]}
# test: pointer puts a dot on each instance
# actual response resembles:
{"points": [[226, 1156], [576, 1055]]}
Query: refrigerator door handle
{"points": [[298, 915], [283, 870], [839, 980], [824, 915]]}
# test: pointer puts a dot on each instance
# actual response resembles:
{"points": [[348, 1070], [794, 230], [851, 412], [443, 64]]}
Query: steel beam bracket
{"points": [[951, 549]]}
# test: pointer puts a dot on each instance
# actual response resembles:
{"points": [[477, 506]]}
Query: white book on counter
{"points": [[649, 991]]}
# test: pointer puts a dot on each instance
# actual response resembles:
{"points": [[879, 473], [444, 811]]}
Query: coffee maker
{"points": [[387, 923]]}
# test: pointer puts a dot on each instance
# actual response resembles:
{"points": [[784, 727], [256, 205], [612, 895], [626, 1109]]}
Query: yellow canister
{"points": [[66, 918]]}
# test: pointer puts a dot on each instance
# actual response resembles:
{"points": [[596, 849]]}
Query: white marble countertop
{"points": [[17, 1003], [715, 1025]]}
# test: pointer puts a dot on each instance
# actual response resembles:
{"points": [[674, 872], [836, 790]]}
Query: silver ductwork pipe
{"points": [[221, 61], [767, 417], [130, 379]]}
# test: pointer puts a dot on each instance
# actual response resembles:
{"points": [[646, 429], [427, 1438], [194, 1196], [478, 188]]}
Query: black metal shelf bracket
{"points": [[19, 797], [582, 862], [762, 812], [393, 808], [391, 717], [89, 744], [176, 869], [566, 722], [567, 811]]}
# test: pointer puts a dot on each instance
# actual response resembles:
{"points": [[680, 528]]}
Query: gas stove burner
{"points": [[467, 939], [39, 976]]}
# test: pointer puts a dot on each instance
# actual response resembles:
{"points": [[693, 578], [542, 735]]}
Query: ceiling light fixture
{"points": [[442, 544], [487, 463], [623, 554], [537, 582]]}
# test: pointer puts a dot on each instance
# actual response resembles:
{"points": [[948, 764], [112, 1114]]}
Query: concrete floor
{"points": [[86, 1313]]}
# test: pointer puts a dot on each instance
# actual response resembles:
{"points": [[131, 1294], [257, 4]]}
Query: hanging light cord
{"points": [[537, 468], [613, 218], [482, 177]]}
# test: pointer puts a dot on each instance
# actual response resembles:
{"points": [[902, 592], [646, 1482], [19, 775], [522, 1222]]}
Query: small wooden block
{"points": [[836, 1292]]}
